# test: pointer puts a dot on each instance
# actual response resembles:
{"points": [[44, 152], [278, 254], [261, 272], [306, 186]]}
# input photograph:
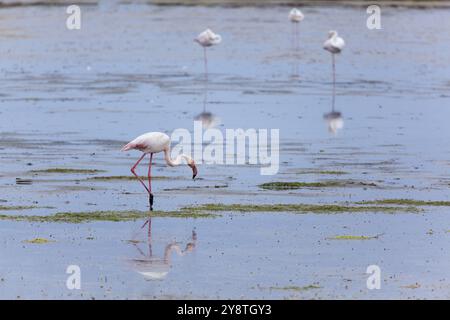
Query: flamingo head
{"points": [[194, 168]]}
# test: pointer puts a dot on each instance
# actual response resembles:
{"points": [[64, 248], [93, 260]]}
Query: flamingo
{"points": [[334, 44], [207, 39], [295, 16], [155, 142]]}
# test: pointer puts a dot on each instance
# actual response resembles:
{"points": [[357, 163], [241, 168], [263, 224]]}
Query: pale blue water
{"points": [[72, 98]]}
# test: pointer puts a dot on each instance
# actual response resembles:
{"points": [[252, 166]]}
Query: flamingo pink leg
{"points": [[206, 63], [149, 189], [149, 222], [150, 182], [150, 234], [134, 172], [150, 174]]}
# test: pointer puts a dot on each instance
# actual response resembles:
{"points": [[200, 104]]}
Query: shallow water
{"points": [[71, 99]]}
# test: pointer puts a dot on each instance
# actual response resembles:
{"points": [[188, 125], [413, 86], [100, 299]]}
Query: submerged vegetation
{"points": [[350, 237], [297, 288], [300, 208], [68, 171], [321, 184], [297, 185], [38, 241], [78, 217], [6, 208], [408, 202], [207, 211], [126, 178], [324, 172]]}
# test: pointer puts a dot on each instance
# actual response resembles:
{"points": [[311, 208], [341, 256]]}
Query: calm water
{"points": [[73, 98]]}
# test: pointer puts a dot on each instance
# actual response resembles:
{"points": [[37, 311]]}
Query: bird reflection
{"points": [[208, 119], [154, 267], [334, 120]]}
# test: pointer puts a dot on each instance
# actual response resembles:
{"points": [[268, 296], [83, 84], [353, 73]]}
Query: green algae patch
{"points": [[38, 241], [113, 216], [324, 172], [132, 241], [127, 178], [6, 208], [68, 171], [296, 288], [206, 211], [321, 184], [411, 286], [350, 237], [408, 202], [297, 185], [300, 208]]}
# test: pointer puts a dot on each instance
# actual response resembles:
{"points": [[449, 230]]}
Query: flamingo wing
{"points": [[151, 142]]}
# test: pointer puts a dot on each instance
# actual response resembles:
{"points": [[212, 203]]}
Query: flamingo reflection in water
{"points": [[153, 267], [207, 118], [334, 121]]}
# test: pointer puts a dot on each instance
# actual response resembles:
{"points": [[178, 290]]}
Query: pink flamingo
{"points": [[155, 142], [207, 39]]}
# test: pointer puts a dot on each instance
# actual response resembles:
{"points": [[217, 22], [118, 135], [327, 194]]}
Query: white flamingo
{"points": [[207, 39], [295, 16], [334, 44], [155, 142]]}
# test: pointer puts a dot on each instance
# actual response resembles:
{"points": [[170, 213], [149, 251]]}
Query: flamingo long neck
{"points": [[169, 249], [177, 161]]}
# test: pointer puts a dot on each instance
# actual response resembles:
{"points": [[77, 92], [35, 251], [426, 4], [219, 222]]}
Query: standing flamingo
{"points": [[295, 16], [155, 142], [334, 44], [207, 39]]}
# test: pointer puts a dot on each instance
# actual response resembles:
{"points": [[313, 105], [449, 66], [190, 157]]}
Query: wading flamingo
{"points": [[295, 16], [207, 39], [155, 142], [334, 44]]}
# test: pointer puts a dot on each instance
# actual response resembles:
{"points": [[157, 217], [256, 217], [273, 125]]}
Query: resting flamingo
{"points": [[295, 16], [207, 39], [155, 142], [334, 44]]}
